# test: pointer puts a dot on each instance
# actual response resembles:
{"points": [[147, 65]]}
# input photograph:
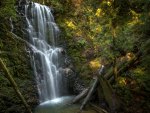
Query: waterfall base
{"points": [[60, 105]]}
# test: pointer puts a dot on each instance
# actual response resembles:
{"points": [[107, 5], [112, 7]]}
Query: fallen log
{"points": [[122, 66], [91, 91], [105, 92], [14, 85], [80, 96]]}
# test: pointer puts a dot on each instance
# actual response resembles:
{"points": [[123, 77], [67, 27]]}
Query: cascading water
{"points": [[43, 34]]}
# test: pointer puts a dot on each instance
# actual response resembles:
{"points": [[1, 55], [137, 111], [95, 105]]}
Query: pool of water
{"points": [[58, 105]]}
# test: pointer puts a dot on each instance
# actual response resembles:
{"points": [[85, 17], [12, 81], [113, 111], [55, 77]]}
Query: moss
{"points": [[13, 53]]}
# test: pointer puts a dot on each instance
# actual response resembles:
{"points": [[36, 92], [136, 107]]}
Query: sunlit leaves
{"points": [[89, 25], [70, 24], [98, 12], [95, 64], [122, 81], [81, 42], [139, 71]]}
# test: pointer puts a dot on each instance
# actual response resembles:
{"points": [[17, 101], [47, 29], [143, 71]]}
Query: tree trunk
{"points": [[14, 85]]}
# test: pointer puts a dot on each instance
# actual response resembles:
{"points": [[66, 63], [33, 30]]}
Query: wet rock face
{"points": [[75, 84], [22, 2]]}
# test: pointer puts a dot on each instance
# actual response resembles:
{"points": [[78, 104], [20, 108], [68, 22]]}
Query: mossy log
{"points": [[109, 94], [14, 85]]}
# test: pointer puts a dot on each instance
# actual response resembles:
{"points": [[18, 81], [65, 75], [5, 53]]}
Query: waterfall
{"points": [[46, 56]]}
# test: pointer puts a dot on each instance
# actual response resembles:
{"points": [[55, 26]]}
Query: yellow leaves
{"points": [[129, 56], [95, 64], [134, 13], [135, 18], [139, 71], [90, 20], [98, 29], [70, 24], [109, 3], [122, 81], [98, 12], [89, 10], [78, 33]]}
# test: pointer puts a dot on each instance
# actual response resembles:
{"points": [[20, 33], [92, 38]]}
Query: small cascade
{"points": [[43, 34]]}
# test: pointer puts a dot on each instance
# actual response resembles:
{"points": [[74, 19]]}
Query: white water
{"points": [[43, 34], [59, 105]]}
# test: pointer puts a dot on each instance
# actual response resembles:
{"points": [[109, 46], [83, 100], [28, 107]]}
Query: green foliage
{"points": [[109, 30], [142, 78], [89, 25], [127, 96], [81, 42], [7, 11]]}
